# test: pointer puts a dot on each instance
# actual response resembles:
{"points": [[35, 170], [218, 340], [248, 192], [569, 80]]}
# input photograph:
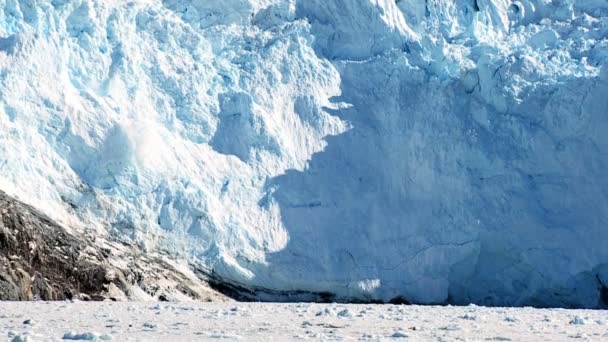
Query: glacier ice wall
{"points": [[438, 151]]}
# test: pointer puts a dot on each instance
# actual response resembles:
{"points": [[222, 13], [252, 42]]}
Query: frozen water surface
{"points": [[293, 322]]}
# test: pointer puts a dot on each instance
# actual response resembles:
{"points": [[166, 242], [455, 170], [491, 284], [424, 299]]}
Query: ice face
{"points": [[438, 151]]}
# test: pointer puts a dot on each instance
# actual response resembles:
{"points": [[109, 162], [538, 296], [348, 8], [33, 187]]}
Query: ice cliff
{"points": [[438, 151]]}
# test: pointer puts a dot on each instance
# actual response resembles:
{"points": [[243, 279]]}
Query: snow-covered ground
{"points": [[285, 322]]}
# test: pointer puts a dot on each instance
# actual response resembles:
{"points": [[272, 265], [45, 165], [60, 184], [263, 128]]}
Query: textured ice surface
{"points": [[136, 321], [439, 150]]}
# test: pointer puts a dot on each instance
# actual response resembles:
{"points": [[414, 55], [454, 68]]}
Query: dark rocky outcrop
{"points": [[42, 260]]}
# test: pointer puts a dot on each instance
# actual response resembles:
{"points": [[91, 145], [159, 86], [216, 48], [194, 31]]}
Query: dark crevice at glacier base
{"points": [[461, 157]]}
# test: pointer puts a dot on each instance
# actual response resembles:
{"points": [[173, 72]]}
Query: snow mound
{"points": [[438, 151]]}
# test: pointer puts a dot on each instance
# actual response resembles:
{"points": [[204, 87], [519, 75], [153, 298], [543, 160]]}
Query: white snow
{"points": [[287, 322], [447, 152]]}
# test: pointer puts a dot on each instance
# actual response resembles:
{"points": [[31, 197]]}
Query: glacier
{"points": [[438, 151]]}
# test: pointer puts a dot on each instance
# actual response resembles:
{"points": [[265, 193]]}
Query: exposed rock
{"points": [[41, 260]]}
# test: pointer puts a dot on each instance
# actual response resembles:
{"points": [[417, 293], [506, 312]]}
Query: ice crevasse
{"points": [[438, 151]]}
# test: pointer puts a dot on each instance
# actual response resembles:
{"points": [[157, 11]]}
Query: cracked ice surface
{"points": [[115, 321], [445, 151]]}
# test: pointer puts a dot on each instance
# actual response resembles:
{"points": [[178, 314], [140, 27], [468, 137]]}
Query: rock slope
{"points": [[40, 260]]}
